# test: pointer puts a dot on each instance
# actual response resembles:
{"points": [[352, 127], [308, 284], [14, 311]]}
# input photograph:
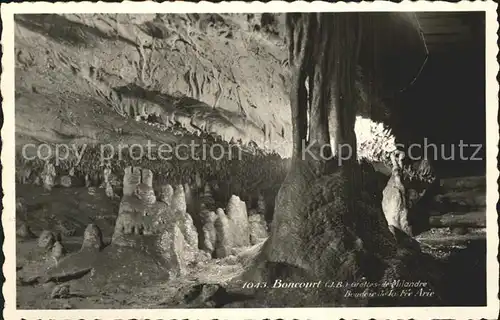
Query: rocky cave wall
{"points": [[228, 72]]}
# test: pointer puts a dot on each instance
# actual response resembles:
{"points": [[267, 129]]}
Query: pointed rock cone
{"points": [[209, 235], [48, 176]]}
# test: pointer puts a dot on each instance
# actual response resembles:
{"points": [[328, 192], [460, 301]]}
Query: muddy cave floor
{"points": [[69, 210]]}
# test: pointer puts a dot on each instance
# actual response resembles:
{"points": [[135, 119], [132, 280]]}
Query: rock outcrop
{"points": [[65, 181]]}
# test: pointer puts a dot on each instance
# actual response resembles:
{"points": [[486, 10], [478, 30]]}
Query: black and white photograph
{"points": [[237, 156]]}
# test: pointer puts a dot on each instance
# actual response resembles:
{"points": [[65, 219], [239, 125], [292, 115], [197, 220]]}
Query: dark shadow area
{"points": [[63, 30]]}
